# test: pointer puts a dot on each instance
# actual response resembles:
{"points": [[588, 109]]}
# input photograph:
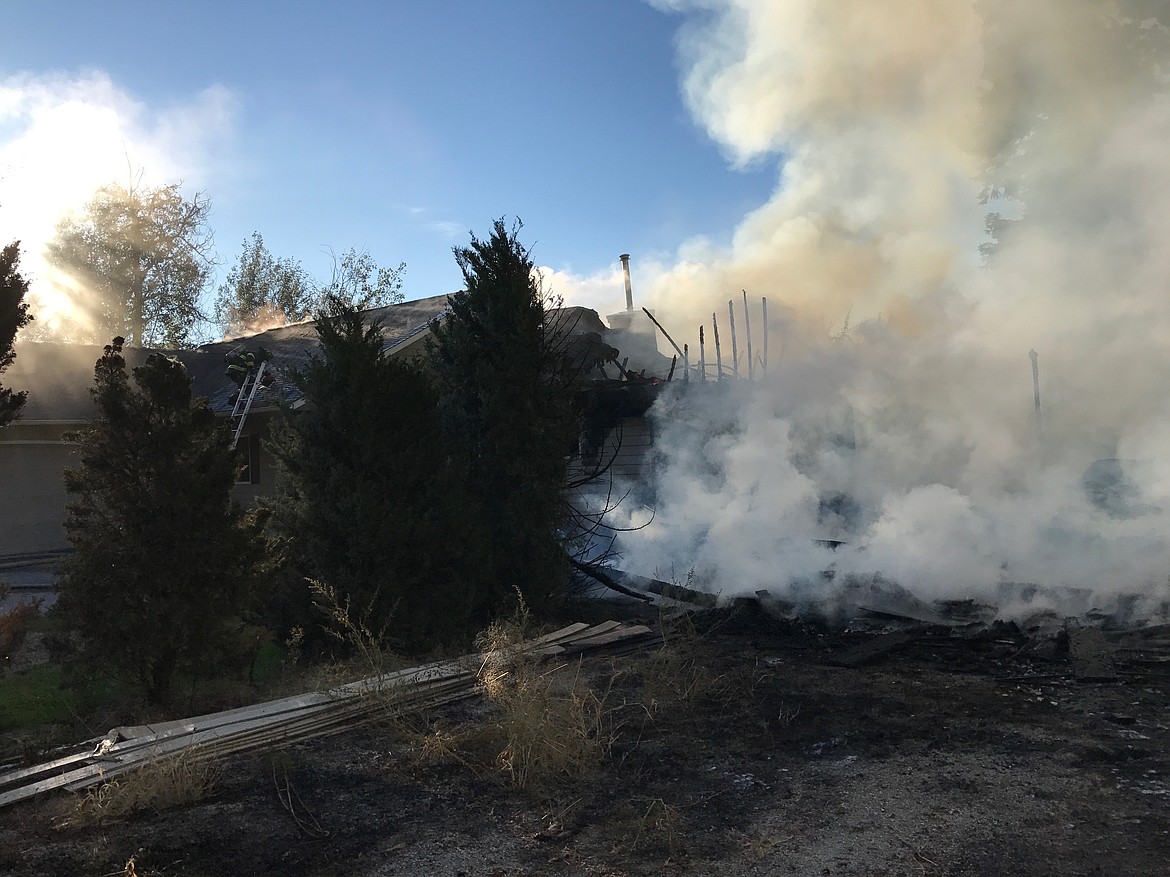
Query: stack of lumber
{"points": [[292, 719]]}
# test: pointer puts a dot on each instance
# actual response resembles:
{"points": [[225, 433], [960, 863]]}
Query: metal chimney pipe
{"points": [[625, 257]]}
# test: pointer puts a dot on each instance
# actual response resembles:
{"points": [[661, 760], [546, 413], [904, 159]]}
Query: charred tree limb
{"points": [[598, 574]]}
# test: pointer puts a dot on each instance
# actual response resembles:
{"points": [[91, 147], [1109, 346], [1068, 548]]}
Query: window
{"points": [[249, 447]]}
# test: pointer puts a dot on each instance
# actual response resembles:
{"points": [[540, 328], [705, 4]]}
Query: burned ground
{"points": [[746, 750]]}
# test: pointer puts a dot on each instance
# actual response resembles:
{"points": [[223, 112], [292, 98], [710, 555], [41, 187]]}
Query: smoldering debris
{"points": [[870, 620], [958, 185]]}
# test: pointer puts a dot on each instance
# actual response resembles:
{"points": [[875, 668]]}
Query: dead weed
{"points": [[553, 726], [546, 724], [677, 678], [649, 825], [162, 783]]}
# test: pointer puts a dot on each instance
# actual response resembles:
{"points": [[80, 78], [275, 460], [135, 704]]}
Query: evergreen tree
{"points": [[507, 407], [13, 317], [141, 258], [370, 504], [164, 559]]}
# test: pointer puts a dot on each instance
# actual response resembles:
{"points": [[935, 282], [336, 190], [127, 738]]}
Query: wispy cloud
{"points": [[447, 228]]}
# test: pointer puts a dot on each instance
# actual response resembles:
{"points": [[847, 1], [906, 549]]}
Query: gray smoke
{"points": [[896, 413]]}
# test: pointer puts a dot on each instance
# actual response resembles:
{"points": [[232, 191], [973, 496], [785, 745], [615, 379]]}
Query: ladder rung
{"points": [[243, 404]]}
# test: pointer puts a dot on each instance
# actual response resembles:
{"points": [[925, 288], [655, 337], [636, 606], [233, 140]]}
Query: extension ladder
{"points": [[248, 391]]}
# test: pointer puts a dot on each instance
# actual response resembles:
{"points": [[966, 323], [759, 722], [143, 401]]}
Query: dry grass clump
{"points": [[551, 724], [649, 825], [545, 723], [133, 869], [165, 782], [677, 678]]}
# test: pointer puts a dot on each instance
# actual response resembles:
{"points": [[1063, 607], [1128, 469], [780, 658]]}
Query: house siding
{"points": [[32, 493], [625, 449], [33, 460]]}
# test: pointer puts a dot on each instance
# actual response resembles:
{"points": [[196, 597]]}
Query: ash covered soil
{"points": [[744, 750]]}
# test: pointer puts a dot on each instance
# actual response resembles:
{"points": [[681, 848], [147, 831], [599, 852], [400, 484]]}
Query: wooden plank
{"points": [[607, 638], [24, 773], [123, 739], [291, 718], [228, 741]]}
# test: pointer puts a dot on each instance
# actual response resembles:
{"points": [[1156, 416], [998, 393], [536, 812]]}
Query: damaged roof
{"points": [[58, 375], [291, 347]]}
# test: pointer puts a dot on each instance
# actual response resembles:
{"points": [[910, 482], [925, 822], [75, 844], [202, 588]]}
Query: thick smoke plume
{"points": [[897, 414]]}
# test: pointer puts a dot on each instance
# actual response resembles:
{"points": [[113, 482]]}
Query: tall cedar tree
{"points": [[141, 258], [163, 559], [13, 317], [369, 501], [507, 409]]}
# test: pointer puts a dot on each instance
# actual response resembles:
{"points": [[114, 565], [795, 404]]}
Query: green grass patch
{"points": [[35, 697], [269, 663], [38, 697]]}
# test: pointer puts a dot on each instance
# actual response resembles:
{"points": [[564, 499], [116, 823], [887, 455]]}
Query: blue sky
{"points": [[393, 127]]}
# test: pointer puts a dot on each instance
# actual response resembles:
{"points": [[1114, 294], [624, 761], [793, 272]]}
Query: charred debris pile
{"points": [[870, 619]]}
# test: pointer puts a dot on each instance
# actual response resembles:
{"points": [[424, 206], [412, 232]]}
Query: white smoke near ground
{"points": [[896, 412], [62, 136]]}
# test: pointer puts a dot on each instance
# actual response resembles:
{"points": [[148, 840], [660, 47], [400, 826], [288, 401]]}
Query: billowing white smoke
{"points": [[911, 435]]}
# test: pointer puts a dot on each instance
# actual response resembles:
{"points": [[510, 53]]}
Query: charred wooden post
{"points": [[1035, 357], [702, 357], [734, 345], [718, 349], [765, 363], [686, 363], [663, 331], [747, 326]]}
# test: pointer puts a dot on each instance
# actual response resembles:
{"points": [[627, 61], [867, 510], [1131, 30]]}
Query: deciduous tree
{"points": [[359, 283], [263, 291], [140, 259]]}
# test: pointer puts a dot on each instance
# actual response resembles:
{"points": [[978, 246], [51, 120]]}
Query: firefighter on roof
{"points": [[241, 362]]}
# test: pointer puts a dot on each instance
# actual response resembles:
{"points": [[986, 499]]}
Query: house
{"points": [[35, 449]]}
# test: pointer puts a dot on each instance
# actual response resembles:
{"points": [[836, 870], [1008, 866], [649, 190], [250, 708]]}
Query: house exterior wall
{"points": [[625, 450], [629, 445], [260, 479], [33, 459]]}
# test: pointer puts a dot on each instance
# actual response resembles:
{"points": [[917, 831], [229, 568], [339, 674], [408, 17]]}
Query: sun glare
{"points": [[61, 138], [54, 305]]}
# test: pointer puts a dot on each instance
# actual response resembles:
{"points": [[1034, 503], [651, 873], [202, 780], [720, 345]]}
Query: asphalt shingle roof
{"points": [[58, 375]]}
